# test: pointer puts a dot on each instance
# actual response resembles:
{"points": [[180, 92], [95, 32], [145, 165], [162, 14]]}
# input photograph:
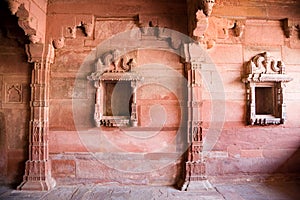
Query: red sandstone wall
{"points": [[241, 149], [117, 156], [14, 99]]}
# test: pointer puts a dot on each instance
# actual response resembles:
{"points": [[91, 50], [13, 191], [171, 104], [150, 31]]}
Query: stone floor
{"points": [[237, 191]]}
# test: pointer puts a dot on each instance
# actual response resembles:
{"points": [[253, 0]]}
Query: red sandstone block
{"points": [[41, 4], [63, 168], [238, 10], [234, 151], [228, 54], [291, 56], [265, 33], [282, 154], [65, 141], [235, 111], [251, 153]]}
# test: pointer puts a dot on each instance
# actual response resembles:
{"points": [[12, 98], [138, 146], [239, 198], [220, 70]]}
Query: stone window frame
{"points": [[112, 67], [263, 70]]}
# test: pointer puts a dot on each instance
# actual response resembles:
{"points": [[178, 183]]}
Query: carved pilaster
{"points": [[195, 167], [38, 167]]}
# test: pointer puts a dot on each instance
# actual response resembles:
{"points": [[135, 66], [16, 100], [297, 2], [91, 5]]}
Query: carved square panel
{"points": [[15, 91]]}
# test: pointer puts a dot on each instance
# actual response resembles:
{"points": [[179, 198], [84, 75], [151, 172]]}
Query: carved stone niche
{"points": [[116, 90], [265, 80]]}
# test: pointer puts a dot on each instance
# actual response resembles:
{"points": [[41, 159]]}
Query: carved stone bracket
{"points": [[25, 18], [210, 30], [290, 27], [68, 30], [206, 6], [265, 80]]}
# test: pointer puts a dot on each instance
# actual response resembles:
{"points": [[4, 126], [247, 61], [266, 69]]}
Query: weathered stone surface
{"points": [[82, 25]]}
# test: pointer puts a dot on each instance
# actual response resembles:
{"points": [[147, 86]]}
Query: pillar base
{"points": [[42, 185], [37, 176], [197, 185]]}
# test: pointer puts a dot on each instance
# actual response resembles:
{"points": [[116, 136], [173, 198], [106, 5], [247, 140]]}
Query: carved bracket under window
{"points": [[116, 90], [265, 80]]}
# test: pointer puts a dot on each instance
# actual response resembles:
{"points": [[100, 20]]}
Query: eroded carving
{"points": [[13, 5], [88, 28], [264, 67], [207, 6], [239, 28], [290, 27], [59, 43], [14, 93]]}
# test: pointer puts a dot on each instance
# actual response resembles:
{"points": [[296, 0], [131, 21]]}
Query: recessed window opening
{"points": [[118, 98], [264, 99]]}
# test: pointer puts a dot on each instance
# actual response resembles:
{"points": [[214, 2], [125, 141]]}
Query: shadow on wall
{"points": [[291, 166], [3, 157]]}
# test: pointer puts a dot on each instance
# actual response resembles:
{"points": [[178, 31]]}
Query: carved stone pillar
{"points": [[195, 169], [38, 168]]}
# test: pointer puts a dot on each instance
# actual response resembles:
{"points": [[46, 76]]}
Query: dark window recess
{"points": [[264, 99], [118, 99]]}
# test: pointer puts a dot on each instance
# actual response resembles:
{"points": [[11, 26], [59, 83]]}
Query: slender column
{"points": [[38, 167], [133, 117], [252, 103], [98, 106], [281, 101]]}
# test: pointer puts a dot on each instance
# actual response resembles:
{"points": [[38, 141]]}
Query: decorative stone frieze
{"points": [[265, 80]]}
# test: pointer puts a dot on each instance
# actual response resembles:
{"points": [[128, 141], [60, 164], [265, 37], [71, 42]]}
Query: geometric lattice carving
{"points": [[265, 80]]}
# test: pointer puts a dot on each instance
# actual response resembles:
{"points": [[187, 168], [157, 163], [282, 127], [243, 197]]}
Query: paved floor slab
{"points": [[227, 191]]}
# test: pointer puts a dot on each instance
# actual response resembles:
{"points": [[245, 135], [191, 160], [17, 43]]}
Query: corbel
{"points": [[13, 5], [68, 30], [290, 26], [59, 43], [206, 6], [239, 27], [34, 52], [18, 8]]}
